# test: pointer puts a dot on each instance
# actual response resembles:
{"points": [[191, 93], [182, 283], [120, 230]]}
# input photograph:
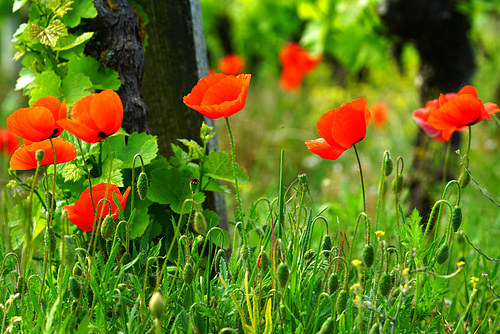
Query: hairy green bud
{"points": [[39, 154], [368, 255], [245, 252], [49, 239], [442, 253], [388, 166], [397, 184], [333, 283], [342, 299], [188, 273], [142, 185], [200, 223], [456, 218], [157, 304], [108, 227], [385, 284], [282, 275], [68, 251], [217, 260], [326, 245], [74, 287], [263, 261], [327, 327]]}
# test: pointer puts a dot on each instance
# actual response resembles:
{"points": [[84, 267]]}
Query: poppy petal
{"points": [[80, 130], [24, 158], [80, 112], [34, 124], [461, 110], [468, 89], [420, 116], [326, 151], [106, 110], [349, 122]]}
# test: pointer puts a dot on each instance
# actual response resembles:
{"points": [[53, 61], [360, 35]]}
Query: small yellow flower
{"points": [[354, 286], [356, 263], [379, 233], [474, 280], [406, 271], [355, 300], [460, 264]]}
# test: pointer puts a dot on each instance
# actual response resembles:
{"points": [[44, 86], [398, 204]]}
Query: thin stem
{"points": [[468, 147], [446, 158], [361, 176], [239, 212]]}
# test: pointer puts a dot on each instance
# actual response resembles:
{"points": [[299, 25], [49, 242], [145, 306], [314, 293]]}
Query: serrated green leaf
{"points": [[73, 173], [81, 9], [193, 146], [180, 157], [62, 8], [116, 173], [140, 222], [102, 78], [70, 41], [25, 78], [141, 143], [171, 186], [49, 35], [49, 84], [218, 166], [75, 86]]}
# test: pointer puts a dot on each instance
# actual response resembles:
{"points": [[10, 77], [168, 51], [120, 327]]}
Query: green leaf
{"points": [[218, 166], [102, 78], [49, 35], [18, 4], [194, 148], [81, 9], [141, 143], [73, 173], [25, 78], [75, 86], [116, 174], [49, 84], [139, 223], [171, 186], [180, 157], [69, 42]]}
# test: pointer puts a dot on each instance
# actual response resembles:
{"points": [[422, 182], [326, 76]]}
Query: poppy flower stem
{"points": [[468, 147], [361, 176], [238, 213], [86, 171]]}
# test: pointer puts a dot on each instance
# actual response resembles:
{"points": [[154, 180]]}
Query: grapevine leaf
{"points": [[218, 166], [18, 4], [69, 42], [75, 86], [125, 150], [102, 78], [171, 186], [116, 174], [73, 173], [48, 84], [49, 35], [81, 9], [25, 78]]}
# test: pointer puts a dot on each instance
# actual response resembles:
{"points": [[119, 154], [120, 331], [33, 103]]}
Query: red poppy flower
{"points": [[453, 112], [379, 112], [24, 158], [40, 121], [95, 117], [81, 213], [219, 95], [340, 129], [232, 64], [8, 142], [296, 62]]}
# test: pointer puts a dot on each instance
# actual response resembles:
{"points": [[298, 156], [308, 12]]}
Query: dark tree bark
{"points": [[176, 59], [439, 32], [117, 44]]}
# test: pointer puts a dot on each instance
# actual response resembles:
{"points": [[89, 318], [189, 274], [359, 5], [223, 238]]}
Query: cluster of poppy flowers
{"points": [[345, 126], [93, 118]]}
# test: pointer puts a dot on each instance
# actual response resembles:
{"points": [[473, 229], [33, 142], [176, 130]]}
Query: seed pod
{"points": [[108, 227], [310, 254], [442, 253], [142, 185], [463, 178], [200, 223], [77, 270], [397, 184], [157, 304], [282, 274], [456, 218], [49, 201], [245, 252], [263, 261], [50, 239], [385, 284], [326, 245], [388, 166], [327, 326], [218, 257], [368, 255], [74, 287], [333, 283], [39, 154], [68, 254], [302, 177], [342, 299], [188, 273], [193, 184]]}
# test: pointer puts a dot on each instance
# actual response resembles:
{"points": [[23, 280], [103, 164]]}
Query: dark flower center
{"points": [[102, 134]]}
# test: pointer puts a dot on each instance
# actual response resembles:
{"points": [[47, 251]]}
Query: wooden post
{"points": [[176, 58]]}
